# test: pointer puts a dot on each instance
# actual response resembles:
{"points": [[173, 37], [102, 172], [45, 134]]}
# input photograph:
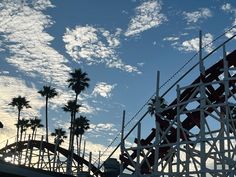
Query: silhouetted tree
{"points": [[152, 103], [78, 82], [59, 135], [34, 125], [22, 125], [73, 108], [20, 103], [47, 92], [81, 125]]}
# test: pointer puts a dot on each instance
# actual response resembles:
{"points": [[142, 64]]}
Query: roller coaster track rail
{"points": [[170, 88]]}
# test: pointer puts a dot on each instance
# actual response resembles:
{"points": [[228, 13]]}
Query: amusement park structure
{"points": [[194, 135]]}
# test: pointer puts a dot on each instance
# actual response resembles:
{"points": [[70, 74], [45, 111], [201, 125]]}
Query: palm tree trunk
{"points": [[20, 153], [71, 131], [46, 115], [18, 119], [25, 135], [69, 159], [80, 140], [77, 144], [21, 133], [74, 115], [35, 133], [32, 134], [55, 153], [72, 122]]}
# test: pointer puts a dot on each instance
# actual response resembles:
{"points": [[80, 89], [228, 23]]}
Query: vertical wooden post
{"points": [[178, 132], [90, 161], [40, 150], [157, 138], [202, 114], [137, 167], [27, 148], [122, 145], [99, 159]]}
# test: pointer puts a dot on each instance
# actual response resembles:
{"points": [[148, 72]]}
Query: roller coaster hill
{"points": [[192, 136]]}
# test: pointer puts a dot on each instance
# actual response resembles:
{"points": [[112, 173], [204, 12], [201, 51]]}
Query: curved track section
{"points": [[215, 95], [40, 154]]}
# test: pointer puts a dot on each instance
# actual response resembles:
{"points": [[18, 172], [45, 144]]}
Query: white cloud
{"points": [[22, 28], [41, 4], [233, 31], [230, 9], [193, 17], [27, 45], [86, 108], [193, 44], [171, 39], [13, 87], [227, 7], [103, 89], [95, 45], [101, 127], [147, 16]]}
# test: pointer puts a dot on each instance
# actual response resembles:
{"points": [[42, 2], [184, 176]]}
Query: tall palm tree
{"points": [[152, 104], [78, 82], [22, 125], [20, 103], [47, 92], [34, 125], [73, 108], [81, 125]]}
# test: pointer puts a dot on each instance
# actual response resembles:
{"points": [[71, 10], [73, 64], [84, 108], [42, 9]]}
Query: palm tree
{"points": [[78, 82], [34, 125], [22, 125], [60, 135], [81, 125], [47, 92], [73, 108], [152, 104], [20, 103]]}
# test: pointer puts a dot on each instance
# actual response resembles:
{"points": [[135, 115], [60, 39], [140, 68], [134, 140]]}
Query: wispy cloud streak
{"points": [[103, 89], [22, 28], [147, 15], [94, 46], [193, 17]]}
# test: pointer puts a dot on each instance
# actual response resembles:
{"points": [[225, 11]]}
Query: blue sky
{"points": [[120, 44]]}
